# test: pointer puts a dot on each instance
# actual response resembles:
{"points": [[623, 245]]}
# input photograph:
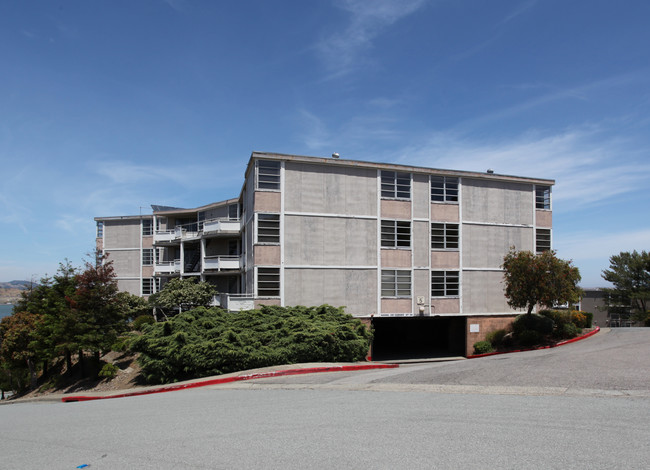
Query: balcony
{"points": [[167, 267], [221, 225], [236, 302], [221, 263]]}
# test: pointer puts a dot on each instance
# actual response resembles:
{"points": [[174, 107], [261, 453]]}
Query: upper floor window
{"points": [[268, 282], [444, 236], [395, 185], [100, 229], [268, 174], [395, 234], [268, 228], [147, 286], [147, 227], [444, 189], [395, 283], [444, 283], [233, 211], [543, 197], [542, 240], [147, 256]]}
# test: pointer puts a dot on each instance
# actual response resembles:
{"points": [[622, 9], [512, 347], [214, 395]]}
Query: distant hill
{"points": [[10, 291]]}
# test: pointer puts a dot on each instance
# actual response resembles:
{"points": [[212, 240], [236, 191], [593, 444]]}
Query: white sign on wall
{"points": [[474, 328]]}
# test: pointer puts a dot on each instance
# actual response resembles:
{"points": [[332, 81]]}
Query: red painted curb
{"points": [[238, 378], [561, 343]]}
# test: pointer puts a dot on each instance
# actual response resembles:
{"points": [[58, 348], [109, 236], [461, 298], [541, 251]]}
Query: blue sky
{"points": [[107, 107]]}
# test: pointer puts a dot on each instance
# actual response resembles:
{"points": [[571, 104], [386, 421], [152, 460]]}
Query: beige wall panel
{"points": [[421, 243], [396, 306], [147, 271], [497, 202], [445, 212], [99, 244], [395, 209], [396, 258], [484, 246], [421, 196], [125, 263], [329, 241], [440, 306], [132, 286], [329, 189], [267, 201], [122, 234], [267, 255], [147, 242], [445, 260], [421, 287], [483, 292], [356, 289], [544, 218]]}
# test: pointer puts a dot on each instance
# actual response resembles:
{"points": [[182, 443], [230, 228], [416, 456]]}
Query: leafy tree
{"points": [[132, 306], [629, 273], [17, 335], [539, 279], [100, 319], [183, 294]]}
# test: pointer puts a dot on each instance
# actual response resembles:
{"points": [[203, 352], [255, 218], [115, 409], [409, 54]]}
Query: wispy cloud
{"points": [[518, 10], [341, 50]]}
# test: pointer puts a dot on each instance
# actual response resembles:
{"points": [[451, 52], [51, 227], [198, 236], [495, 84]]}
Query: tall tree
{"points": [[17, 336], [629, 273], [539, 279]]}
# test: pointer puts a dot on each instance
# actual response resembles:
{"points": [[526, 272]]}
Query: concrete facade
{"points": [[383, 240]]}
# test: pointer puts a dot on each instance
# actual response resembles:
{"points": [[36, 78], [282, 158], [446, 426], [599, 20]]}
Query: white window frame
{"points": [[100, 229], [148, 286], [147, 227], [543, 197], [264, 221], [450, 281], [148, 257], [446, 189], [447, 234], [543, 240], [395, 185], [266, 178], [396, 283], [395, 234], [268, 271]]}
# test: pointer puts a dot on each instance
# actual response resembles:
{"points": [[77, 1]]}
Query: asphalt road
{"points": [[402, 419]]}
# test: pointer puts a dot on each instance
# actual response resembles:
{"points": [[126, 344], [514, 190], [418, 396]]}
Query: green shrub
{"points": [[142, 320], [204, 342], [570, 330], [579, 319], [109, 371], [483, 347], [590, 319], [496, 338], [532, 322], [529, 338]]}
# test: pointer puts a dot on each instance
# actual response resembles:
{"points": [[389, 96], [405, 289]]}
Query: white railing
{"points": [[237, 302], [222, 262], [164, 236], [221, 225], [168, 267]]}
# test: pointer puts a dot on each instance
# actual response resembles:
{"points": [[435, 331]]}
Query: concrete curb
{"points": [[223, 380], [561, 343]]}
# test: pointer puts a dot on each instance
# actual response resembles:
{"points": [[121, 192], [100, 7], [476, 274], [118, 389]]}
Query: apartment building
{"points": [[414, 251]]}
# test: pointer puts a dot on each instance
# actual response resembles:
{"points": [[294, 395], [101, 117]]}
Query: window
{"points": [[100, 229], [157, 283], [543, 197], [268, 228], [233, 211], [444, 189], [147, 227], [233, 247], [395, 234], [147, 286], [395, 185], [268, 282], [444, 236], [268, 174], [395, 283], [160, 222], [147, 256], [542, 240], [444, 283]]}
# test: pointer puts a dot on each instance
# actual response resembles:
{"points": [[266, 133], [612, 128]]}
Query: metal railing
{"points": [[195, 229]]}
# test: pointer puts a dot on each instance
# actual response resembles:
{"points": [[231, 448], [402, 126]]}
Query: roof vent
{"points": [[335, 155], [490, 171]]}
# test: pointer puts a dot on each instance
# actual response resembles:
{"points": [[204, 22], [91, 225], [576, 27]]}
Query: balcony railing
{"points": [[237, 302], [220, 263], [195, 230], [168, 267]]}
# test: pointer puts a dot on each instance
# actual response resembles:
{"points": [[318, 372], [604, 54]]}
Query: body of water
{"points": [[5, 310]]}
